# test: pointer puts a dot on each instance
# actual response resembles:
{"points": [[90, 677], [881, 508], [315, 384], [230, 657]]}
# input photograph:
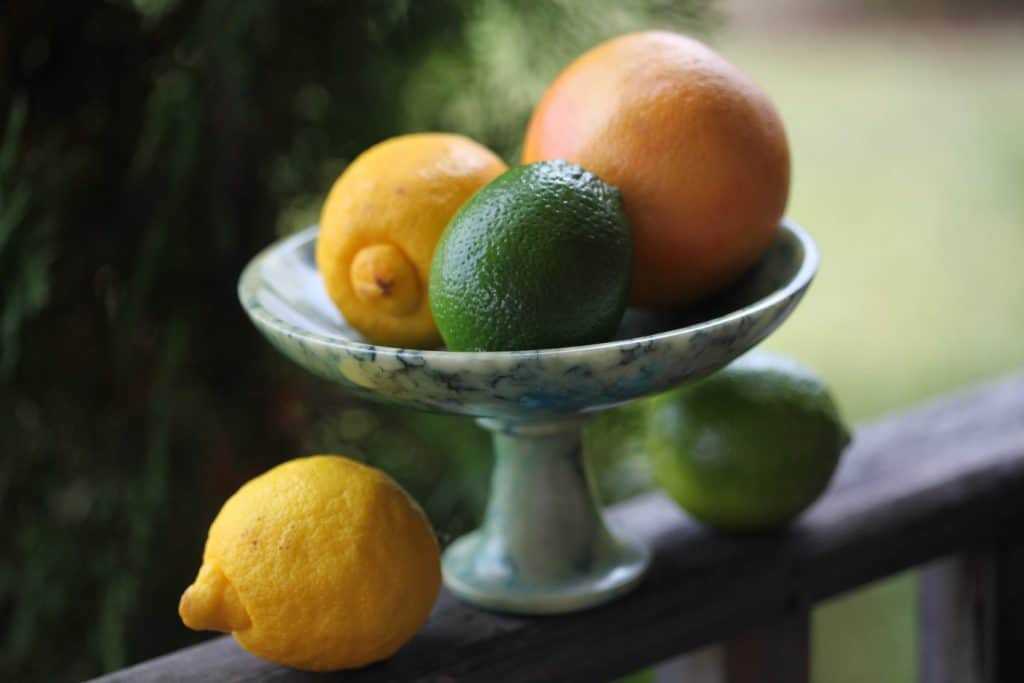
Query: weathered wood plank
{"points": [[987, 416], [955, 617], [970, 609], [913, 488]]}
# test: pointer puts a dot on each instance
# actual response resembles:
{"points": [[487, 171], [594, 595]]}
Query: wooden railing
{"points": [[942, 484]]}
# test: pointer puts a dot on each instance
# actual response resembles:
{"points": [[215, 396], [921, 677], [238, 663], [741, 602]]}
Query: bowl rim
{"points": [[249, 284]]}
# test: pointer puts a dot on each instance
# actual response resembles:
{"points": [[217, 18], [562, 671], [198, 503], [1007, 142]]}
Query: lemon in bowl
{"points": [[381, 222]]}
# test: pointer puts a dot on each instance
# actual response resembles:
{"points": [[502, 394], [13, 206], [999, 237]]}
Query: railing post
{"points": [[779, 653], [706, 665], [972, 615], [955, 619], [1009, 606]]}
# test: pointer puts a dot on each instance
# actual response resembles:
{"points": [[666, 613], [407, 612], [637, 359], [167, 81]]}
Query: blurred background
{"points": [[148, 148]]}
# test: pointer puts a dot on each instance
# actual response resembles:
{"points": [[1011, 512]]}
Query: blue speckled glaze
{"points": [[544, 546]]}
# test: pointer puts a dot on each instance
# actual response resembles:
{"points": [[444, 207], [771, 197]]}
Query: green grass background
{"points": [[908, 169]]}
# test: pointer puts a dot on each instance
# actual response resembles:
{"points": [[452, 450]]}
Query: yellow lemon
{"points": [[321, 563], [379, 226]]}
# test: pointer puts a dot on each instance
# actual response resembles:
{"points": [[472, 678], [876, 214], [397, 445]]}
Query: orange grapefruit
{"points": [[696, 148]]}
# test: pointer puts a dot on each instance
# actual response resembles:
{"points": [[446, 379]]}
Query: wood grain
{"points": [[912, 488], [955, 619]]}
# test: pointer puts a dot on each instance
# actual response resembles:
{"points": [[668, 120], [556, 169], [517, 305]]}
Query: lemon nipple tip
{"points": [[211, 603], [383, 276]]}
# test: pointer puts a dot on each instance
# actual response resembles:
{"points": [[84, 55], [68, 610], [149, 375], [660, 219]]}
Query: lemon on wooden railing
{"points": [[321, 563]]}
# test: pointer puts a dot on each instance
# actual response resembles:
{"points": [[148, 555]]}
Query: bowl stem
{"points": [[544, 546]]}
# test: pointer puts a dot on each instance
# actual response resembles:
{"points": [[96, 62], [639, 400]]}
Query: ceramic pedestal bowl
{"points": [[544, 546]]}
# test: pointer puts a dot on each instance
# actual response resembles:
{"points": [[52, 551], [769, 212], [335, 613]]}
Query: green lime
{"points": [[748, 448], [538, 258]]}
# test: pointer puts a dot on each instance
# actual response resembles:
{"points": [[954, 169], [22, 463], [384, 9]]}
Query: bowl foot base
{"points": [[479, 577], [544, 547]]}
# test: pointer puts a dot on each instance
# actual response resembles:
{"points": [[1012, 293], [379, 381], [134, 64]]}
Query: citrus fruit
{"points": [[321, 563], [749, 447], [696, 148], [379, 226], [538, 258]]}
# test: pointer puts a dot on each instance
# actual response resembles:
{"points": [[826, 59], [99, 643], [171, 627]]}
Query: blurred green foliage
{"points": [[149, 148]]}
